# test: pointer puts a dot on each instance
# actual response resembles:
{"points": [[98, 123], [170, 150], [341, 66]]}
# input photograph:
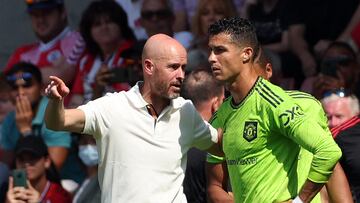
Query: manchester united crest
{"points": [[250, 130]]}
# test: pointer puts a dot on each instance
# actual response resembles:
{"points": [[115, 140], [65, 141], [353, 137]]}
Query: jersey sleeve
{"points": [[292, 122], [213, 159]]}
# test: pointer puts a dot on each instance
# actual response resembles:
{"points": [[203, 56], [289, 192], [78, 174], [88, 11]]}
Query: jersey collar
{"points": [[48, 45]]}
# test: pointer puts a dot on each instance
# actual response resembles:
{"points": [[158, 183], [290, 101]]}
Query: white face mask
{"points": [[89, 154]]}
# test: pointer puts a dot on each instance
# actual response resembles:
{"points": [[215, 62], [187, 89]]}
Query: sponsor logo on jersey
{"points": [[248, 161], [290, 114], [250, 130]]}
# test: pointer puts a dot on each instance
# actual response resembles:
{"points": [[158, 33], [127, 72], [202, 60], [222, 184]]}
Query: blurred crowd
{"points": [[312, 45]]}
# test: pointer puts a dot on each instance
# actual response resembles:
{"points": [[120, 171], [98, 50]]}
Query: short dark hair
{"points": [[26, 68], [200, 86], [241, 31], [103, 8]]}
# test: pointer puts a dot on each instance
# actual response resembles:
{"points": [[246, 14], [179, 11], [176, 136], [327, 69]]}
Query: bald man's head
{"points": [[158, 46], [164, 60]]}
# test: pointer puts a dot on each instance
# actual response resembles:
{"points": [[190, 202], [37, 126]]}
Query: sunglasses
{"points": [[341, 92], [161, 14], [25, 77]]}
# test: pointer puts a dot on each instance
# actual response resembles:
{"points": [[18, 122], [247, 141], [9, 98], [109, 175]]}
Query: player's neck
{"points": [[240, 88]]}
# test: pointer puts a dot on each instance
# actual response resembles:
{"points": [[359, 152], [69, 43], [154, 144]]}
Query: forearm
{"points": [[297, 42], [309, 190], [55, 115], [217, 182], [216, 194], [338, 187]]}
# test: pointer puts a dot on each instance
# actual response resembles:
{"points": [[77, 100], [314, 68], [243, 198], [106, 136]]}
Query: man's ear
{"points": [[148, 66], [247, 54], [215, 104], [268, 70]]}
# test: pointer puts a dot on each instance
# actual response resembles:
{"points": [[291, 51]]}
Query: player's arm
{"points": [[338, 187], [217, 182], [56, 117], [313, 138]]}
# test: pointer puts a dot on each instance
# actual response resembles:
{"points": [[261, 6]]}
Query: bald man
{"points": [[142, 135]]}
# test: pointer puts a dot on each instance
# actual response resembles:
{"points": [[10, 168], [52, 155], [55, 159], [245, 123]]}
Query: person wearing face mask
{"points": [[89, 190]]}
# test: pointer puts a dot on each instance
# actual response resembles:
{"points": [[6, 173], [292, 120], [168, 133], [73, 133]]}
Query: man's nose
{"points": [[211, 57], [180, 73]]}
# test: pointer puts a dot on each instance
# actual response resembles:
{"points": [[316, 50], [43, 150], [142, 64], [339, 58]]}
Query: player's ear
{"points": [[268, 70], [247, 54]]}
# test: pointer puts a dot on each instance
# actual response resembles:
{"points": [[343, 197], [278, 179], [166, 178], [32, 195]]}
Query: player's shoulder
{"points": [[26, 47], [271, 94], [302, 96]]}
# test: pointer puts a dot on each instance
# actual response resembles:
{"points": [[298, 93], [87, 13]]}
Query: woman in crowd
{"points": [[105, 30]]}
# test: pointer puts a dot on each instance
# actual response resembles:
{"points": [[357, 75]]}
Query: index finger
{"points": [[56, 79]]}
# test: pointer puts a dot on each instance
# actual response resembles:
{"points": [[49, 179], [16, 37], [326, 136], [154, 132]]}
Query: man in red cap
{"points": [[56, 40]]}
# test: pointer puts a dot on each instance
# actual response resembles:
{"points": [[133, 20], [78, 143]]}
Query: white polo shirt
{"points": [[143, 159]]}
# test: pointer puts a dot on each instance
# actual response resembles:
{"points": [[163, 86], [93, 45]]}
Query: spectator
{"points": [[157, 17], [6, 106], [32, 156], [339, 69], [132, 9], [143, 135], [107, 35], [89, 191], [25, 80], [310, 32], [5, 102], [207, 95], [185, 10], [49, 22], [346, 136], [207, 12], [340, 107], [269, 19]]}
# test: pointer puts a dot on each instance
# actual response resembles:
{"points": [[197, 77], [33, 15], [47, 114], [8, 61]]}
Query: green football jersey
{"points": [[261, 144]]}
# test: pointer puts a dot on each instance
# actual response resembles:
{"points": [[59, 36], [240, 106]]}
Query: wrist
{"points": [[297, 200]]}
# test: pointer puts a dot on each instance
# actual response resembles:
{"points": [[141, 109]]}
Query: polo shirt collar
{"points": [[138, 101]]}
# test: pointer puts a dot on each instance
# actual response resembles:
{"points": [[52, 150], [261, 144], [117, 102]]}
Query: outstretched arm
{"points": [[56, 117]]}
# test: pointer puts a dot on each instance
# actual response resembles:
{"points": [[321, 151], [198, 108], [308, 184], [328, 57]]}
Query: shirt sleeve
{"points": [[204, 134], [301, 128], [96, 122]]}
